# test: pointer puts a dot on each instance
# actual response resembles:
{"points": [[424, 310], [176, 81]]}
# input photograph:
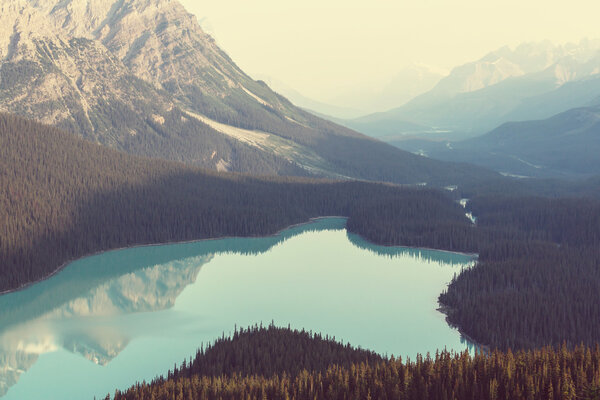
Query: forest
{"points": [[537, 281], [62, 198], [298, 365]]}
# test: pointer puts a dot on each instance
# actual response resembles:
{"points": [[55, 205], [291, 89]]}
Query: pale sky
{"points": [[325, 48]]}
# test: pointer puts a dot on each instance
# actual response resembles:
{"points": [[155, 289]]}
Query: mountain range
{"points": [[141, 76], [531, 81]]}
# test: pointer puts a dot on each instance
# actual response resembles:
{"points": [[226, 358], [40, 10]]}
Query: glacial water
{"points": [[109, 320]]}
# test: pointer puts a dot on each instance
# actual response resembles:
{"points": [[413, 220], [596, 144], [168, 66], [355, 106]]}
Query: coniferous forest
{"points": [[300, 365], [62, 198], [537, 282], [538, 278]]}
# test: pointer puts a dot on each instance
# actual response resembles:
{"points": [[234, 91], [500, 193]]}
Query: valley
{"points": [[563, 146], [529, 82]]}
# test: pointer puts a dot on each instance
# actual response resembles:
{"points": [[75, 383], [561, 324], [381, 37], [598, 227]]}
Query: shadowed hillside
{"points": [[299, 365], [62, 197]]}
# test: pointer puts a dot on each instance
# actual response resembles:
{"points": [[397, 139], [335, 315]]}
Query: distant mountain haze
{"points": [[565, 145], [319, 48], [410, 81], [333, 112], [362, 98], [143, 77], [478, 96]]}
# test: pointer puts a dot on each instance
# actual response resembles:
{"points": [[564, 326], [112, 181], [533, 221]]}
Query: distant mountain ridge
{"points": [[565, 145], [478, 96], [142, 76], [561, 63]]}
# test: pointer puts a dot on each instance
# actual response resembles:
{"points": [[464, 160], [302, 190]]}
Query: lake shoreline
{"points": [[444, 309], [66, 263], [161, 303], [309, 221], [462, 253]]}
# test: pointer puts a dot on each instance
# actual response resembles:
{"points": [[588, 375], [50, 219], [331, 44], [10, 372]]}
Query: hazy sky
{"points": [[323, 48]]}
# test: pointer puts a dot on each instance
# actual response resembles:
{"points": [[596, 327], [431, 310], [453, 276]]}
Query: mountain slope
{"points": [[575, 94], [141, 76], [78, 84], [318, 108], [564, 145]]}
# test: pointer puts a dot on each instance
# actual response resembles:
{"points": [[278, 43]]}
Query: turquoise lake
{"points": [[109, 320]]}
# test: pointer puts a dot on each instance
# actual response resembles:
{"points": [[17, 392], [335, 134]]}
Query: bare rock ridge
{"points": [[142, 76]]}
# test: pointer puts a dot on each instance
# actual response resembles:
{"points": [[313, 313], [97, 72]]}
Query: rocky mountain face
{"points": [[160, 43], [102, 69]]}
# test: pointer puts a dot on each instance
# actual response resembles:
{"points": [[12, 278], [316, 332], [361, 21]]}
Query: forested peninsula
{"points": [[278, 363]]}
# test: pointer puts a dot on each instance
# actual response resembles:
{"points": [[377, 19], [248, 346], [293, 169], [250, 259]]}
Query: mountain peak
{"points": [[143, 77]]}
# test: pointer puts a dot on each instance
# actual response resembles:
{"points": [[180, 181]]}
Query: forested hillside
{"points": [[538, 278], [62, 198], [537, 281], [270, 351], [297, 365]]}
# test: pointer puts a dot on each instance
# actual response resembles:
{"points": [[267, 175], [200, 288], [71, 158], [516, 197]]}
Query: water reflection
{"points": [[86, 323], [437, 256], [100, 304]]}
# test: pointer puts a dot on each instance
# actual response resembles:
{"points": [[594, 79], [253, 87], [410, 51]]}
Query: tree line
{"points": [[235, 369]]}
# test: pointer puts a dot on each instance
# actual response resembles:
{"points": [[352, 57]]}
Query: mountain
{"points": [[584, 92], [63, 64], [564, 145], [141, 76], [479, 96]]}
